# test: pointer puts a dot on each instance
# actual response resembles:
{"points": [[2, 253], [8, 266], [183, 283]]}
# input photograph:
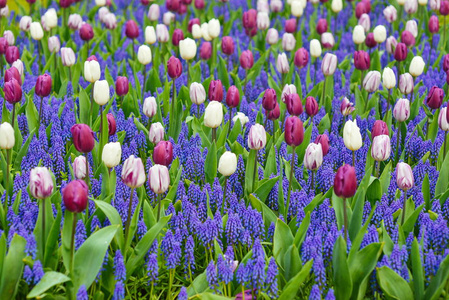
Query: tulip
{"points": [[197, 94], [370, 42], [177, 36], [358, 35], [133, 172], [276, 5], [391, 44], [269, 99], [345, 186], [388, 79], [199, 4], [407, 38], [80, 167], [361, 9], [53, 44], [390, 13], [227, 45], [149, 107], [246, 60], [290, 26], [311, 107], [86, 32], [159, 181], [346, 107], [435, 97], [75, 196], [294, 105], [329, 64], [352, 137], [68, 58], [83, 138], [121, 86], [150, 35], [163, 153], [444, 10], [371, 82], [401, 111], [162, 33], [154, 12], [301, 58], [434, 26], [7, 139], [287, 90], [101, 92], [13, 91], [75, 21], [193, 22], [321, 26], [406, 83], [227, 165], [444, 125], [205, 51], [174, 67], [25, 23], [379, 128], [416, 66], [297, 8], [91, 71], [216, 90], [172, 5], [131, 29], [323, 140], [327, 40], [156, 133], [405, 181], [263, 21], [214, 28], [272, 36], [313, 158], [257, 137], [315, 48], [11, 73], [282, 65], [361, 60], [9, 36], [18, 64], [232, 99], [12, 54], [294, 135], [380, 34], [241, 117], [365, 22], [213, 116], [380, 149], [51, 18], [288, 42], [273, 114], [112, 125]]}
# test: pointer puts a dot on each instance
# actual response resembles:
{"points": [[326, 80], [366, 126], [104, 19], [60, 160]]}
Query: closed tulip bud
{"points": [[172, 5], [196, 31], [290, 26], [417, 66], [149, 107], [263, 21], [163, 153], [370, 42], [156, 133], [390, 13], [249, 19], [315, 48], [86, 32], [442, 120], [435, 4], [257, 137], [51, 18], [174, 67], [329, 64], [351, 135], [313, 157], [41, 183], [206, 50], [323, 140], [379, 128], [294, 104], [406, 83], [311, 106], [288, 42], [358, 35], [269, 99], [407, 38], [4, 12], [43, 85], [232, 97], [75, 21], [177, 36], [83, 138], [362, 60], [112, 152], [187, 49], [7, 139], [273, 114], [276, 5], [199, 4], [381, 147], [9, 36], [205, 32], [18, 64], [12, 91], [410, 6], [388, 78], [400, 53], [337, 6], [150, 35], [159, 179], [227, 45], [193, 22], [112, 125], [246, 60], [361, 9], [321, 26], [101, 92], [346, 107], [272, 36], [97, 2], [262, 6], [380, 34], [68, 56], [372, 81], [25, 23], [227, 165], [296, 8], [144, 55], [345, 182], [294, 131], [391, 44], [327, 40], [92, 71], [154, 12], [404, 176], [301, 58], [282, 64], [131, 29], [53, 44], [434, 24], [133, 172], [422, 2], [12, 54], [412, 27], [197, 93], [13, 73], [287, 90], [216, 90], [102, 12], [435, 97], [121, 86], [162, 33], [214, 28], [401, 111], [365, 22], [446, 63], [241, 117], [444, 8], [79, 167], [213, 115], [75, 196]]}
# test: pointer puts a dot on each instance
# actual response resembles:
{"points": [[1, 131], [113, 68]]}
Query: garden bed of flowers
{"points": [[233, 149]]}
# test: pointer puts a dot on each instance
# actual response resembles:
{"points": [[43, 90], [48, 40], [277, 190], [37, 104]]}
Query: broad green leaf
{"points": [[114, 218], [210, 165], [393, 285], [282, 239], [12, 268], [342, 278], [438, 282], [417, 269], [291, 288], [49, 280]]}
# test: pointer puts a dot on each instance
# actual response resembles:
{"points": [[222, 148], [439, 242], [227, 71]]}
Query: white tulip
{"points": [[187, 48], [150, 35], [101, 92], [144, 55], [112, 152], [92, 71], [7, 139], [213, 115], [227, 164], [351, 135]]}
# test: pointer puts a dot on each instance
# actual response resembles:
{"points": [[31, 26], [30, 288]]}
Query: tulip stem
{"points": [[39, 49], [254, 173], [444, 147], [323, 91], [312, 182], [128, 218], [245, 82], [214, 134], [159, 200], [43, 226], [86, 179], [224, 196], [404, 207], [40, 110], [397, 141], [399, 71], [101, 129], [8, 159], [315, 71], [188, 74], [353, 159], [388, 101], [345, 219], [378, 169], [292, 167], [366, 102], [72, 246], [144, 81], [13, 116], [1, 65], [91, 103]]}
